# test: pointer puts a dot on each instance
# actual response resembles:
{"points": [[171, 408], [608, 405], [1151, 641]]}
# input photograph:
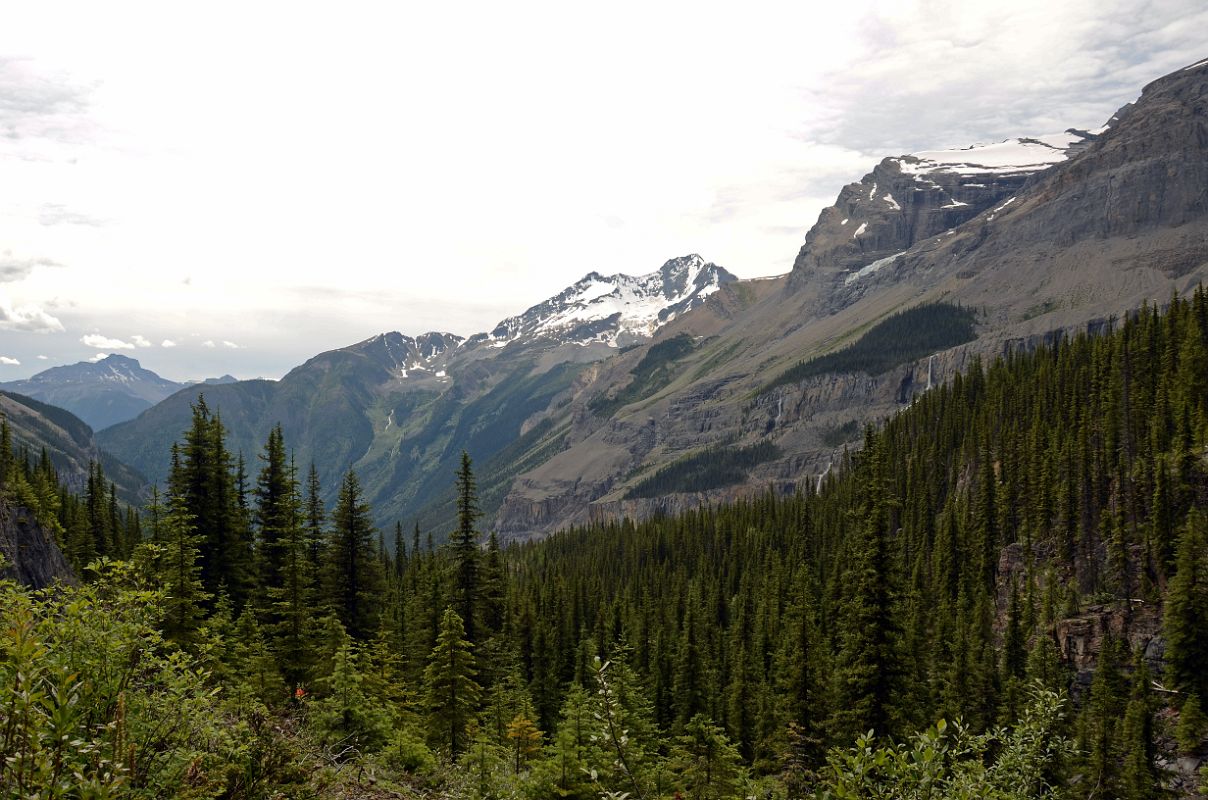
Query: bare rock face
{"points": [[908, 199], [31, 556]]}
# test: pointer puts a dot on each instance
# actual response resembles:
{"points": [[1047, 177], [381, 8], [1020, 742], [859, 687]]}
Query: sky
{"points": [[235, 187]]}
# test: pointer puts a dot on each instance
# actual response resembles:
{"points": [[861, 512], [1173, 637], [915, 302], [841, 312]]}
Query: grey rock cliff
{"points": [[31, 556]]}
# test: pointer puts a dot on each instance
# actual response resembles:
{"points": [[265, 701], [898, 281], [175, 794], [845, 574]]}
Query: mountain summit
{"points": [[908, 199], [102, 393], [615, 309]]}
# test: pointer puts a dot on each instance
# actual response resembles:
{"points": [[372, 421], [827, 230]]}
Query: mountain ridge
{"points": [[102, 392], [400, 408]]}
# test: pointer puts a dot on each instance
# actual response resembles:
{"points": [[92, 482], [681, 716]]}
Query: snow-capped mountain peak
{"points": [[616, 309]]}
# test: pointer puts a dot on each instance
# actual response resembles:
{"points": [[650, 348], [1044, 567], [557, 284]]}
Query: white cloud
{"points": [[167, 343], [27, 318], [230, 344], [140, 341], [208, 343], [97, 340], [9, 362], [13, 268], [59, 214], [98, 357], [43, 358], [990, 72]]}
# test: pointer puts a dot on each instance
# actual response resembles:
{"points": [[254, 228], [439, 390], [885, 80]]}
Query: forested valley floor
{"points": [[902, 631]]}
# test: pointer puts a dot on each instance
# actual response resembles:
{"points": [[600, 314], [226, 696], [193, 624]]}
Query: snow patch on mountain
{"points": [[1008, 157], [869, 269]]}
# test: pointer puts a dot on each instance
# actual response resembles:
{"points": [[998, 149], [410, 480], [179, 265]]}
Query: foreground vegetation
{"points": [[253, 645]]}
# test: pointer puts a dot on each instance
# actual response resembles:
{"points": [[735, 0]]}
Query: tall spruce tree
{"points": [[353, 582], [466, 552], [869, 670], [451, 692], [179, 574], [1186, 610]]}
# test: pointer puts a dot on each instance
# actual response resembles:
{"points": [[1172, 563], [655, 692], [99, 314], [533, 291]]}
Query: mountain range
{"points": [[104, 392], [400, 409], [687, 378]]}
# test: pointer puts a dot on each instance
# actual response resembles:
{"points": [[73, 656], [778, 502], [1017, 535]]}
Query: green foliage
{"points": [[354, 577], [949, 762], [347, 719], [1192, 725], [452, 694], [712, 468], [1186, 610], [466, 552], [97, 704], [925, 578], [899, 339], [705, 761]]}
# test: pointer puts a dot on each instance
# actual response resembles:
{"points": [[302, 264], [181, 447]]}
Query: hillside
{"points": [[68, 441], [569, 406]]}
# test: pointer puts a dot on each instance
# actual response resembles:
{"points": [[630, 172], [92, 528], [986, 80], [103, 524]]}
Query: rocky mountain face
{"points": [[69, 442], [31, 556], [910, 198], [400, 409], [102, 393], [1044, 235]]}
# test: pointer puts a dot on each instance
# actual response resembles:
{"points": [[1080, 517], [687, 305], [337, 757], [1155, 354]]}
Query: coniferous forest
{"points": [[907, 630]]}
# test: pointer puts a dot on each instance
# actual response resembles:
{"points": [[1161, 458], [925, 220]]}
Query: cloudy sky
{"points": [[237, 188]]}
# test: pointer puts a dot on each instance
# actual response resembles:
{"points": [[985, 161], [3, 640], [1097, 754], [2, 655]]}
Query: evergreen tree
{"points": [[276, 514], [180, 574], [870, 670], [316, 516], [706, 761], [202, 478], [451, 691], [466, 553], [354, 580], [1186, 610], [1140, 779]]}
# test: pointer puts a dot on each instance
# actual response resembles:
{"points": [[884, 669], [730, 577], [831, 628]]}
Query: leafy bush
{"points": [[96, 703], [948, 762]]}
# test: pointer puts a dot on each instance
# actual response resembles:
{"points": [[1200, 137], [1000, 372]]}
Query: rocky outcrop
{"points": [[908, 199], [31, 555]]}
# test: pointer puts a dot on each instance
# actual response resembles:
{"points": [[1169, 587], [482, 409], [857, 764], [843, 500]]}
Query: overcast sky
{"points": [[241, 187]]}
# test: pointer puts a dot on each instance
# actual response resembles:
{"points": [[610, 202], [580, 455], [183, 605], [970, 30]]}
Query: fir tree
{"points": [[1186, 610], [466, 553], [180, 574], [354, 580], [450, 689]]}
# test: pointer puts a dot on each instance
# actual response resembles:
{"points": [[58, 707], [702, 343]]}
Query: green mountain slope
{"points": [[68, 441]]}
